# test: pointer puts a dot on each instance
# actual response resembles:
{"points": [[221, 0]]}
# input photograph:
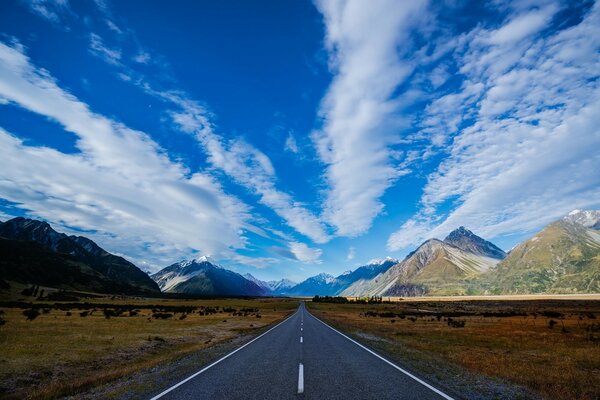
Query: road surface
{"points": [[302, 358]]}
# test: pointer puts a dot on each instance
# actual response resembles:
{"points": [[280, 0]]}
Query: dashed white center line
{"points": [[300, 329], [301, 379], [300, 339]]}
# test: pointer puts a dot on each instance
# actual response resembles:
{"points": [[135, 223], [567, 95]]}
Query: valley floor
{"points": [[485, 349], [75, 346]]}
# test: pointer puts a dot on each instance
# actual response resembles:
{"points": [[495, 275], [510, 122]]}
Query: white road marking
{"points": [[444, 395], [158, 396], [301, 379], [300, 329], [300, 339]]}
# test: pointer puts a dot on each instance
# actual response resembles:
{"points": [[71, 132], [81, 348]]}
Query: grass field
{"points": [[75, 345], [551, 347]]}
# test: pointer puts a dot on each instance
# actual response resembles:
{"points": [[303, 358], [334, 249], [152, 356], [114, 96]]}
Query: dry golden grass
{"points": [[56, 354], [558, 363]]}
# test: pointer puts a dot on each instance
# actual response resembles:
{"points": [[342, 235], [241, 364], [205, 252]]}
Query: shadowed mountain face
{"points": [[83, 264], [202, 277], [564, 257], [467, 241]]}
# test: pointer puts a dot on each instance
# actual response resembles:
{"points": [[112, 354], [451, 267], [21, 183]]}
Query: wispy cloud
{"points": [[138, 202], [527, 153], [52, 10], [291, 144], [351, 253], [305, 254], [247, 166], [364, 40], [97, 47]]}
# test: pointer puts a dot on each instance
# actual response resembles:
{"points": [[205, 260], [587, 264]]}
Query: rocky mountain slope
{"points": [[436, 268], [564, 257]]}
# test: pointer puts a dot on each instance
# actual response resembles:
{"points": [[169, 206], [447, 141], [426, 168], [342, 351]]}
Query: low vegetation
{"points": [[54, 348], [551, 348]]}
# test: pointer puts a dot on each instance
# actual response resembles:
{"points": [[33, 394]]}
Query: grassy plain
{"points": [[73, 346], [549, 347]]}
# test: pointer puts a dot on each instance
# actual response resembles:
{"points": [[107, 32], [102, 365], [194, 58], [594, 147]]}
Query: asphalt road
{"points": [[302, 358]]}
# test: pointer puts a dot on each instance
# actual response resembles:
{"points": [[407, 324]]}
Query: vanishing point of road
{"points": [[302, 358]]}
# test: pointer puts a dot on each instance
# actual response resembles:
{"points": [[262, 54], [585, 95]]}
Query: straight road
{"points": [[302, 358]]}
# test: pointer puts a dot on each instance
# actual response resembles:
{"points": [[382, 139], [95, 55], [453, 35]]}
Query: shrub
{"points": [[161, 315], [84, 314], [551, 314], [31, 314], [456, 323], [68, 314], [183, 316], [2, 321], [551, 324]]}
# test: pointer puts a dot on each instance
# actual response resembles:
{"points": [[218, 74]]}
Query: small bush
{"points": [[183, 316], [551, 324], [2, 321], [68, 314], [31, 314], [84, 314], [456, 323], [161, 315]]}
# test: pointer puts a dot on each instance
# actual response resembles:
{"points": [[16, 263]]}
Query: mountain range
{"points": [[564, 257], [32, 252]]}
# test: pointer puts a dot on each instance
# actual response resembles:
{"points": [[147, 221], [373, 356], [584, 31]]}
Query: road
{"points": [[302, 358]]}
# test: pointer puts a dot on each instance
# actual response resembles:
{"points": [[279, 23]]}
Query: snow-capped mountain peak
{"points": [[587, 218], [387, 259]]}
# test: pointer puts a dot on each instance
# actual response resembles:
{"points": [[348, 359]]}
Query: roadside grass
{"points": [[106, 338], [508, 341]]}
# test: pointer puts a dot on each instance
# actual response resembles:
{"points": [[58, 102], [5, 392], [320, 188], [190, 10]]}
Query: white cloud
{"points": [[522, 26], [52, 10], [364, 40], [290, 144], [530, 153], [305, 254], [143, 57], [247, 166], [351, 253], [121, 186], [98, 48]]}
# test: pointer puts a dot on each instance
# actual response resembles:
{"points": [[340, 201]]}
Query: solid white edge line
{"points": [[219, 360], [444, 395], [301, 378]]}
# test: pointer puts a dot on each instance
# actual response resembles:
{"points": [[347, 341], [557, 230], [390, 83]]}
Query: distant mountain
{"points": [[322, 284], [33, 252], [262, 284], [328, 285], [467, 241], [281, 286], [564, 257], [202, 276], [435, 267], [274, 288]]}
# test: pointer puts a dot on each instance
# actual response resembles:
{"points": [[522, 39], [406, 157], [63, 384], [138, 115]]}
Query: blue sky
{"points": [[290, 138]]}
